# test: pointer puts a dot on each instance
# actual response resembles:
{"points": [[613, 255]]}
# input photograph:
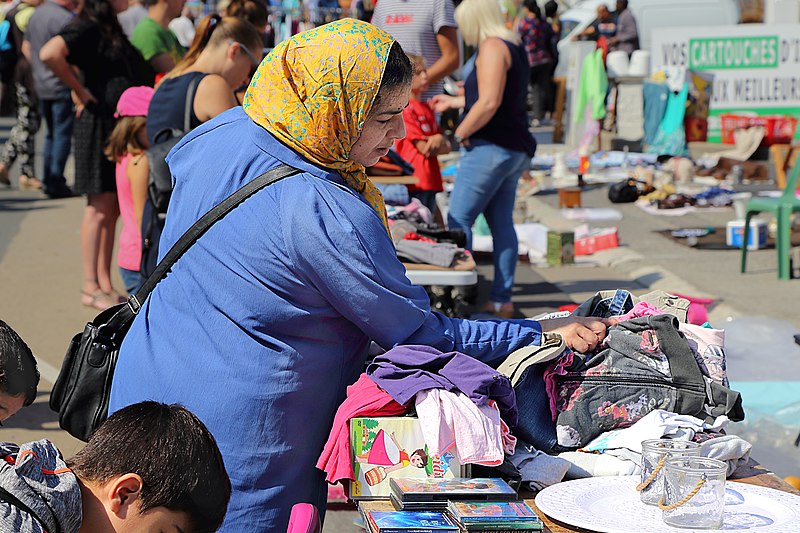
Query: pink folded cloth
{"points": [[364, 398]]}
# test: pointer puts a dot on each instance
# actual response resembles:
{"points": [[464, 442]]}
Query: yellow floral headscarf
{"points": [[314, 92]]}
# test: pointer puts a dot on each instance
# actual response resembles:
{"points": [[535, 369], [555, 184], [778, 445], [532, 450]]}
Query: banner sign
{"points": [[756, 67]]}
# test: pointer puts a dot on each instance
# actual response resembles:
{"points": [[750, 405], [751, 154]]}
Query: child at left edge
{"points": [[423, 141]]}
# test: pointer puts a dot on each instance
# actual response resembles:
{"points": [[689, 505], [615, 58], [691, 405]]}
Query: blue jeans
{"points": [[427, 198], [132, 279], [59, 117], [486, 183]]}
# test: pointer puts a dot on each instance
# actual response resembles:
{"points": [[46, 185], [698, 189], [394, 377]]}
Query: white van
{"points": [[649, 14]]}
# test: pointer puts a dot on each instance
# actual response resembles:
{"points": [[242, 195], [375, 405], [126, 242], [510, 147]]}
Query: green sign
{"points": [[733, 53]]}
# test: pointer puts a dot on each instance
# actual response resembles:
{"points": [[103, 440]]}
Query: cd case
{"points": [[433, 489], [386, 521], [493, 512]]}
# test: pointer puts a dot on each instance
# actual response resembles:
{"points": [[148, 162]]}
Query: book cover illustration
{"points": [[411, 520], [388, 447], [492, 511], [454, 488]]}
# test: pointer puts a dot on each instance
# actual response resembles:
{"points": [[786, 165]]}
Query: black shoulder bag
{"points": [[80, 394]]}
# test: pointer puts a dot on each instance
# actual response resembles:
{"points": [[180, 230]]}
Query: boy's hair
{"points": [[171, 450], [418, 64], [124, 139], [18, 372]]}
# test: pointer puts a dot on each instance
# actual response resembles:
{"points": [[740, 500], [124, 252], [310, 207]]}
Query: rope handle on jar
{"points": [[646, 483], [683, 500]]}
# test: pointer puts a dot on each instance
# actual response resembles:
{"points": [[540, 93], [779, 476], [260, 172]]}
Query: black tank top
{"points": [[509, 125], [168, 105]]}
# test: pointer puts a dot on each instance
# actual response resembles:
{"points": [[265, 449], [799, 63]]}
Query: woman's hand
{"points": [[442, 102], [82, 97], [581, 334]]}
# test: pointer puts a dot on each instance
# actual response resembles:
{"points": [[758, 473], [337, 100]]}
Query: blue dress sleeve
{"points": [[342, 249]]}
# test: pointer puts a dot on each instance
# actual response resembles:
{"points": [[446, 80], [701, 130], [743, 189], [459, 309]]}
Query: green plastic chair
{"points": [[782, 207]]}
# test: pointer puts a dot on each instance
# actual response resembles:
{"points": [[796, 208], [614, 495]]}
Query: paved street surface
{"points": [[40, 280]]}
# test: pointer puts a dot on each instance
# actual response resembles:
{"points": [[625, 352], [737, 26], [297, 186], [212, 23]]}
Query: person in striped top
{"points": [[425, 28]]}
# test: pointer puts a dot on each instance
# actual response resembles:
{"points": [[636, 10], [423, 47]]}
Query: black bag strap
{"points": [[127, 312], [15, 502]]}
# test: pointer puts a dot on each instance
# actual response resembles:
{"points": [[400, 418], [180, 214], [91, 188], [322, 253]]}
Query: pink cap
{"points": [[134, 102]]}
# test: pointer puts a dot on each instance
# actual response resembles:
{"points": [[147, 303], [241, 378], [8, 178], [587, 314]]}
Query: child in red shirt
{"points": [[423, 140]]}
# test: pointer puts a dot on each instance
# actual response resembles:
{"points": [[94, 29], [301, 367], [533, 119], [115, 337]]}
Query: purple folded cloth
{"points": [[404, 371]]}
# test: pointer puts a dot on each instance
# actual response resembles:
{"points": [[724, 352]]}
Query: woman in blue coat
{"points": [[263, 323]]}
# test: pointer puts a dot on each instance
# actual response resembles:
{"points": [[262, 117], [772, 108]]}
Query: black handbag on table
{"points": [[81, 393]]}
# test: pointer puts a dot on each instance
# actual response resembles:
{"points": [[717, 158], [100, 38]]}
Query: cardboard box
{"points": [[757, 237], [596, 240], [560, 248], [392, 447]]}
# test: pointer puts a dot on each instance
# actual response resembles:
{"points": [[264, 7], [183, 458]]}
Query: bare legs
{"points": [[97, 244]]}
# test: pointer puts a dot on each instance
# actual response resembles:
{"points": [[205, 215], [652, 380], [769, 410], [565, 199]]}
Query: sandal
{"points": [[29, 183], [98, 300]]}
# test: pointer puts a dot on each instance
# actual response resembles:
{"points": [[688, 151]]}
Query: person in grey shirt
{"points": [[131, 17], [55, 102], [627, 37], [425, 28]]}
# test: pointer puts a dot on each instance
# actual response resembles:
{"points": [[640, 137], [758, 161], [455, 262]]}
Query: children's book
{"points": [[408, 490], [389, 447], [492, 511], [411, 521]]}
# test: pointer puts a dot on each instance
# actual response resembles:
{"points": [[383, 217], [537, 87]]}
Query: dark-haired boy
{"points": [[149, 468], [19, 376]]}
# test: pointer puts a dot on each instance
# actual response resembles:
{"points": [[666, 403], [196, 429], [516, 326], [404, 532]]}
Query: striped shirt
{"points": [[415, 24]]}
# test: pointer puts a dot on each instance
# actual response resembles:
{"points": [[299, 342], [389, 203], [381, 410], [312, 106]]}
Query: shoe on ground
{"points": [[29, 183], [504, 310], [59, 192]]}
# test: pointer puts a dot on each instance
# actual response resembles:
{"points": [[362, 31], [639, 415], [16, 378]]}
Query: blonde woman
{"points": [[496, 145]]}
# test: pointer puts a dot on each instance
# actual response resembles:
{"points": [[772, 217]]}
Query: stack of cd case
{"points": [[433, 494]]}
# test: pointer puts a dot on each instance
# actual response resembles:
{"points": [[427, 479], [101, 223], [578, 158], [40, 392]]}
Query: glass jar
{"points": [[654, 454], [694, 492]]}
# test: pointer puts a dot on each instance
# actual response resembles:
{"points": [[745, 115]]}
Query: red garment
{"points": [[413, 236], [420, 124], [364, 398]]}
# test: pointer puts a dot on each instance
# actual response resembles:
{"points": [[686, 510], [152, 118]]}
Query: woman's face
{"points": [[383, 126], [242, 60]]}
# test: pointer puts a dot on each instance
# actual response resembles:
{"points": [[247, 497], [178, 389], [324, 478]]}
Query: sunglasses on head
{"points": [[249, 54]]}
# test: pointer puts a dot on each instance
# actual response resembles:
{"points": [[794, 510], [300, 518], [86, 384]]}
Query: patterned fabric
{"points": [[315, 91], [536, 36], [643, 364], [20, 143]]}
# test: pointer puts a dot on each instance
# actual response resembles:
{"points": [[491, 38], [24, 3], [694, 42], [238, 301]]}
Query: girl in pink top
{"points": [[126, 146]]}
